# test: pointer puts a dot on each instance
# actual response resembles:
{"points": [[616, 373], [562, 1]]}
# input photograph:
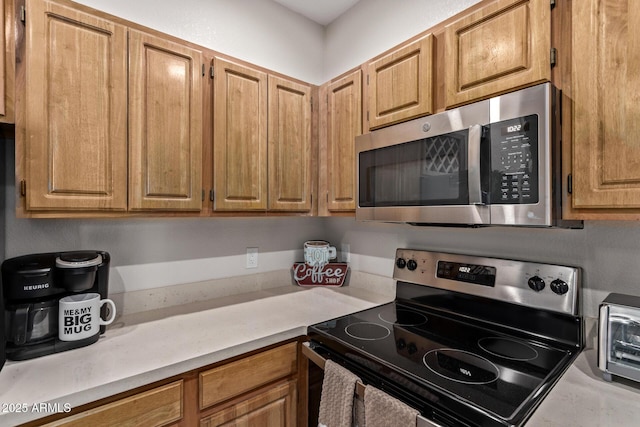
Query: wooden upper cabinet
{"points": [[343, 101], [76, 110], [502, 46], [7, 62], [606, 104], [289, 150], [165, 124], [400, 84], [239, 137]]}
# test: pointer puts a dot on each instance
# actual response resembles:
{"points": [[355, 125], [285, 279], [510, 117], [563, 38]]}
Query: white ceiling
{"points": [[321, 11]]}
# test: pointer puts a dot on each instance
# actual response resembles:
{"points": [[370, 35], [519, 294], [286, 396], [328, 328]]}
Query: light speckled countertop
{"points": [[581, 398], [145, 347]]}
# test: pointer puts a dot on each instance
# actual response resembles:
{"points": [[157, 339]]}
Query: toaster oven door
{"points": [[622, 341]]}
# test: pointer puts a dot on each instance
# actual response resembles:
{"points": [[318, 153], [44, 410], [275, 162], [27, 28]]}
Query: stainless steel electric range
{"points": [[468, 341]]}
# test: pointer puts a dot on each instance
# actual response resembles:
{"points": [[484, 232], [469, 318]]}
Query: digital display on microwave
{"points": [[513, 128]]}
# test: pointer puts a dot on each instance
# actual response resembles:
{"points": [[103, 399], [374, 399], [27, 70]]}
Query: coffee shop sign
{"points": [[331, 274]]}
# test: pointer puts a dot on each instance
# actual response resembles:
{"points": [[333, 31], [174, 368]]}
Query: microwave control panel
{"points": [[514, 161]]}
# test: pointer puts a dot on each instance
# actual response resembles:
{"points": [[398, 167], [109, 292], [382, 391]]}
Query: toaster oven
{"points": [[619, 337]]}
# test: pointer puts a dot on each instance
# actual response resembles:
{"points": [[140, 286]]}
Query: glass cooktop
{"points": [[495, 371]]}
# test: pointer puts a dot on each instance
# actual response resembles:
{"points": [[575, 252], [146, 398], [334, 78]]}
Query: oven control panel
{"points": [[546, 286]]}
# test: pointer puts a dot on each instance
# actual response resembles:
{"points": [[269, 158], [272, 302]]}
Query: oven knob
{"points": [[536, 283], [401, 263], [560, 287], [412, 348], [412, 264], [401, 344]]}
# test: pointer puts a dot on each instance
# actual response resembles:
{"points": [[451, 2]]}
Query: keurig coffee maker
{"points": [[32, 286]]}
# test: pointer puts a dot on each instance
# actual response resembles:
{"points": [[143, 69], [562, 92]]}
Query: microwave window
{"points": [[425, 172]]}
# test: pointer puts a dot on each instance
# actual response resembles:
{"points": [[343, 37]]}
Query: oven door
{"points": [[317, 363], [436, 178]]}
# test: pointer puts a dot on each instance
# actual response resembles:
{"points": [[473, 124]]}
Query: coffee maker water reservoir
{"points": [[32, 287]]}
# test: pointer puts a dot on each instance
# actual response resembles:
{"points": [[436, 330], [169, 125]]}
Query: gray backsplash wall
{"points": [[607, 251]]}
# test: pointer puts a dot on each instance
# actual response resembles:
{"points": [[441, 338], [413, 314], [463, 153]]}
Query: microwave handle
{"points": [[603, 337], [473, 162]]}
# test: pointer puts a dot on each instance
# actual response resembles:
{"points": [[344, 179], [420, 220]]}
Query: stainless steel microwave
{"points": [[493, 162]]}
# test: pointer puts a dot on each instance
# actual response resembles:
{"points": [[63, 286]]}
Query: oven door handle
{"points": [[317, 359], [473, 165]]}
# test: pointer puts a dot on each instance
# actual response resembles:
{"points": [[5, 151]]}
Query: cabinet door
{"points": [[400, 84], [165, 124], [7, 61], [343, 124], [239, 137], [500, 47], [289, 150], [76, 110], [273, 407], [606, 103]]}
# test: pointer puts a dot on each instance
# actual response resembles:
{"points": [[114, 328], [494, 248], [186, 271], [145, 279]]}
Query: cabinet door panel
{"points": [[165, 124], [606, 101], [400, 84], [76, 138], [240, 137], [344, 123], [274, 407], [500, 47], [289, 145], [7, 62]]}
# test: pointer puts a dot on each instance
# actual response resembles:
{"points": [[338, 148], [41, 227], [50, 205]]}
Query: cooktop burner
{"points": [[508, 348], [461, 366], [404, 318], [367, 331]]}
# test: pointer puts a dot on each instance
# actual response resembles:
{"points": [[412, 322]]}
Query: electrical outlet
{"points": [[252, 257], [345, 250]]}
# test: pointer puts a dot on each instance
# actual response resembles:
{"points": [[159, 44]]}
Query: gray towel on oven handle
{"points": [[336, 399], [382, 410]]}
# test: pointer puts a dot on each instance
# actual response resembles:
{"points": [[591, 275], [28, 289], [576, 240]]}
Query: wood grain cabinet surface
{"points": [[157, 407], [262, 147], [165, 124], [498, 48], [7, 61], [399, 85], [341, 122], [113, 116], [76, 110], [606, 106]]}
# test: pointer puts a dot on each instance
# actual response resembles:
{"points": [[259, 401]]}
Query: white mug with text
{"points": [[79, 316], [318, 253]]}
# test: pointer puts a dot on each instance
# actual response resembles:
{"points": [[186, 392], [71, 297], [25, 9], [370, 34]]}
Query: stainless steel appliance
{"points": [[33, 285], [468, 341], [494, 162], [619, 337]]}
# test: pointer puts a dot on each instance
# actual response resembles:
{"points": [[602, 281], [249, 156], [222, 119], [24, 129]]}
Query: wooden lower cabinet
{"points": [[272, 406], [261, 388], [157, 407]]}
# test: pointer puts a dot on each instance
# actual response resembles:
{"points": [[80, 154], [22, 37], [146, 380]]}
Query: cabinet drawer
{"points": [[157, 407], [226, 381]]}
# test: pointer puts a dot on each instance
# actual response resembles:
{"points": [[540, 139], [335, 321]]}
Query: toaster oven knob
{"points": [[536, 283], [560, 287], [401, 263], [412, 264]]}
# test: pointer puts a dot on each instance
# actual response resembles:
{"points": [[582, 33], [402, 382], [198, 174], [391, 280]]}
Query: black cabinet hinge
{"points": [[203, 194], [553, 3], [23, 188], [23, 14], [570, 183], [553, 56], [211, 195], [211, 71]]}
